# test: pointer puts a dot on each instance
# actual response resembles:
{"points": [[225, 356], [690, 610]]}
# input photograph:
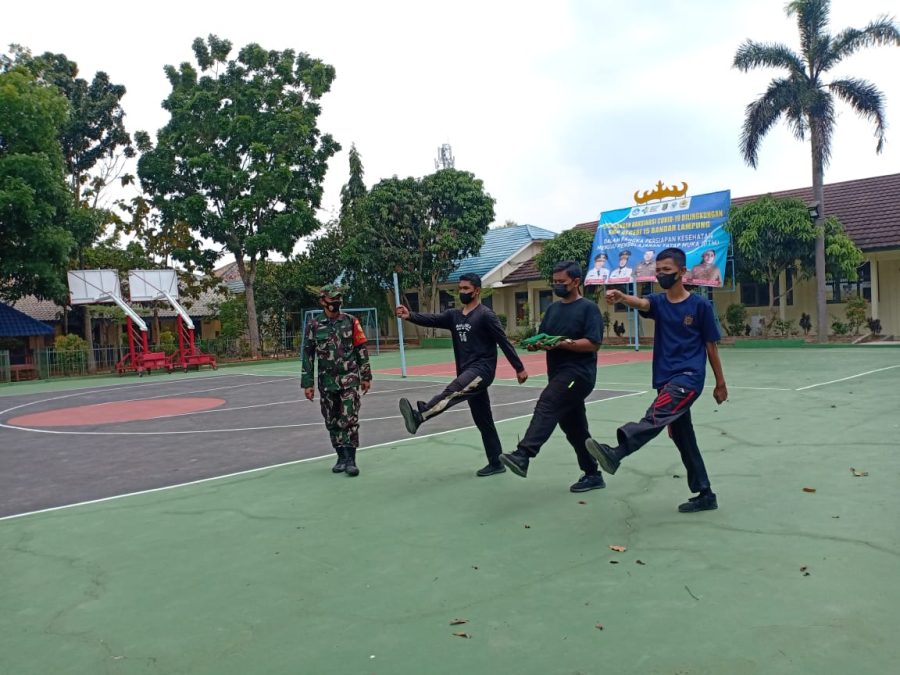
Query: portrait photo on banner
{"points": [[628, 240]]}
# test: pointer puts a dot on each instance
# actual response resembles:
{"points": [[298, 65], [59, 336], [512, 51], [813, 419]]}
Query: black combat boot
{"points": [[350, 468], [341, 465]]}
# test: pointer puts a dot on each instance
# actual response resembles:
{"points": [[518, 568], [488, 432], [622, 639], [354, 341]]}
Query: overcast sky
{"points": [[564, 109]]}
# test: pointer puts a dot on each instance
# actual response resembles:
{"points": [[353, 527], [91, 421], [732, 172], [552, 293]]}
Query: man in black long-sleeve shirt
{"points": [[477, 333]]}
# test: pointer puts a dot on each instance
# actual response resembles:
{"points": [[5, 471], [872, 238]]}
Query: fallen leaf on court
{"points": [[528, 527], [458, 622], [599, 626], [640, 562], [613, 562], [474, 567], [809, 489], [617, 547], [858, 473], [581, 501], [462, 635], [675, 475], [803, 568]]}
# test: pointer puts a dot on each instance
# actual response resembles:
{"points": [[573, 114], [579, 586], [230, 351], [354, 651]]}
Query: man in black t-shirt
{"points": [[477, 333], [572, 372]]}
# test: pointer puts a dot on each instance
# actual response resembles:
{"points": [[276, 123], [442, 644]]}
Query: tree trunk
{"points": [[156, 328], [89, 338], [818, 171], [771, 320], [248, 276]]}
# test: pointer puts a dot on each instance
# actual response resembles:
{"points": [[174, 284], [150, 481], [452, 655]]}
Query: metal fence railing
{"points": [[49, 362]]}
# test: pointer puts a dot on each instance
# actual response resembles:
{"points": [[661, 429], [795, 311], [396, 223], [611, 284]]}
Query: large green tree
{"points": [[241, 160], [569, 245], [773, 235], [421, 229], [35, 241], [95, 147], [806, 101]]}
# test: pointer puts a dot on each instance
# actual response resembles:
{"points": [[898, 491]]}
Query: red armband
{"points": [[359, 335]]}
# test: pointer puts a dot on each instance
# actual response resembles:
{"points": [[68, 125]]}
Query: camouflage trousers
{"points": [[341, 412]]}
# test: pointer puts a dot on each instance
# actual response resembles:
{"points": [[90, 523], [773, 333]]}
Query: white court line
{"points": [[276, 466], [844, 379], [258, 405]]}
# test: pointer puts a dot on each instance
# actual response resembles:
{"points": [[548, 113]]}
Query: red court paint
{"points": [[116, 411], [535, 363]]}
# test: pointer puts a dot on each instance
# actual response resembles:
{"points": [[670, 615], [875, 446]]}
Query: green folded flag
{"points": [[543, 339]]}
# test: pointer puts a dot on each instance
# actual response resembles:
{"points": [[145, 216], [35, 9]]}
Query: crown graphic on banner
{"points": [[661, 192]]}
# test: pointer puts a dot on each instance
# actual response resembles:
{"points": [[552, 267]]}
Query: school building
{"points": [[868, 208]]}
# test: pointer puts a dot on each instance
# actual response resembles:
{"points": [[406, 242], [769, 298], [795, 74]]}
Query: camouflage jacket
{"points": [[339, 345]]}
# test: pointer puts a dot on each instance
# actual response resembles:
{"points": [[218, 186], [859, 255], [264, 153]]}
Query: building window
{"points": [[756, 294], [412, 301], [545, 299], [840, 290], [521, 307], [446, 300], [488, 301]]}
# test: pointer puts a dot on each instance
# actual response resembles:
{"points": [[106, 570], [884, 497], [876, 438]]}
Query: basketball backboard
{"points": [[89, 286], [146, 285]]}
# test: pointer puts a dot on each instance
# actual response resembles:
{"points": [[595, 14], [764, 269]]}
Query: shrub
{"points": [[856, 313], [838, 327], [167, 342], [783, 328], [735, 318]]}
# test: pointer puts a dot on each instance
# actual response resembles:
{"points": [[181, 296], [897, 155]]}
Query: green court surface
{"points": [[295, 570]]}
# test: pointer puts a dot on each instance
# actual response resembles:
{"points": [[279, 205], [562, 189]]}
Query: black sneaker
{"points": [[516, 462], [490, 470], [701, 502], [605, 455], [411, 418], [587, 482]]}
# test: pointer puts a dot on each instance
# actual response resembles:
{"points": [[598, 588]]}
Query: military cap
{"points": [[333, 290]]}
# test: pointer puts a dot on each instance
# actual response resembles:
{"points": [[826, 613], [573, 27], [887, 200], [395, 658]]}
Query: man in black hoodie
{"points": [[477, 333]]}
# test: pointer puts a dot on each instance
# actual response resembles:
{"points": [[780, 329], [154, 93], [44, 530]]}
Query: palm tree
{"points": [[807, 102]]}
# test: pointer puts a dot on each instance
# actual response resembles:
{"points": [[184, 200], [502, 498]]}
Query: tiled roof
{"points": [[528, 271], [868, 208], [499, 244], [14, 323], [40, 310], [47, 310]]}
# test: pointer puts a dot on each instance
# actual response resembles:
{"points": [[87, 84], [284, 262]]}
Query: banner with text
{"points": [[628, 240]]}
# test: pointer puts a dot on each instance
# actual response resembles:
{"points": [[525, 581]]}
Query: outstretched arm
{"points": [[442, 320], [613, 296]]}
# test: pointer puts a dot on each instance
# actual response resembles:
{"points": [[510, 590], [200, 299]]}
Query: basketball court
{"points": [[183, 524]]}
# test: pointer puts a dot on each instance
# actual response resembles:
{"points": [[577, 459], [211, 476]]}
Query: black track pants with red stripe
{"points": [[672, 408]]}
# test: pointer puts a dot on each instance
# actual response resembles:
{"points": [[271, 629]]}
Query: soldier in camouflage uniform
{"points": [[338, 342]]}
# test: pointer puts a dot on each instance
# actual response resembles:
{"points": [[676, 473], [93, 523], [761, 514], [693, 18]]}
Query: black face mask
{"points": [[466, 298], [667, 280], [333, 306], [561, 290]]}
